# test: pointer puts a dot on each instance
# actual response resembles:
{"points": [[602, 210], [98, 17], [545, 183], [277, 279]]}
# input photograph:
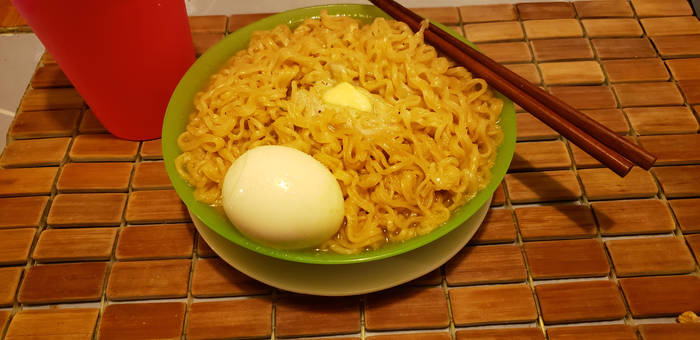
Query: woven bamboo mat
{"points": [[94, 243]]}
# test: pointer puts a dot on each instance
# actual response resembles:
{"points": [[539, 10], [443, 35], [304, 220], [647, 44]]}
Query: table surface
{"points": [[94, 243]]}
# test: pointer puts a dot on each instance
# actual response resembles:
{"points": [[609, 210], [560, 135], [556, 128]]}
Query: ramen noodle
{"points": [[426, 147]]}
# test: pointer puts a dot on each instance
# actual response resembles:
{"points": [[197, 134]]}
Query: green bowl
{"points": [[197, 77]]}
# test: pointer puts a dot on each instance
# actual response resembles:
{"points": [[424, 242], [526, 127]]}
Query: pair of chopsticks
{"points": [[613, 151]]}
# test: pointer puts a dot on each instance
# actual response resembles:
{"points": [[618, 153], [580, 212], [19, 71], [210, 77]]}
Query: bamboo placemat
{"points": [[94, 243]]}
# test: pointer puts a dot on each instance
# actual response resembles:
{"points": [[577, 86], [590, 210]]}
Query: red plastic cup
{"points": [[124, 57]]}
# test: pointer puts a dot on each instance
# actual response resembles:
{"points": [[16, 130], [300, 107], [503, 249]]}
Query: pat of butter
{"points": [[347, 95]]}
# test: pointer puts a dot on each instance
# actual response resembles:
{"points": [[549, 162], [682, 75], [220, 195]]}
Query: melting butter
{"points": [[344, 94]]}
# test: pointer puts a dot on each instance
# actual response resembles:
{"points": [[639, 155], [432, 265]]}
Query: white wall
{"points": [[19, 55]]}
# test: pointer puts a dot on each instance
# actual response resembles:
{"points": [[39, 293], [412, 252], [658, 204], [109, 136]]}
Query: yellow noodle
{"points": [[426, 148]]}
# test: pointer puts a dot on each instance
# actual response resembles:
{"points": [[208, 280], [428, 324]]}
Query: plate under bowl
{"points": [[342, 280]]}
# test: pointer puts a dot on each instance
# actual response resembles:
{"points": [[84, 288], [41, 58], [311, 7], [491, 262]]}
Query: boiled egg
{"points": [[283, 198]]}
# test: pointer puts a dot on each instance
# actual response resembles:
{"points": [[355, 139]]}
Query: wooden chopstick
{"points": [[600, 142]]}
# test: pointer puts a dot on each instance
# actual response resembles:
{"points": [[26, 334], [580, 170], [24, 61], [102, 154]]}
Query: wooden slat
{"points": [[603, 9], [580, 301], [483, 13]]}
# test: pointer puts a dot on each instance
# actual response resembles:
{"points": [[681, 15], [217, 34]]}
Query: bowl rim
{"points": [[198, 75]]}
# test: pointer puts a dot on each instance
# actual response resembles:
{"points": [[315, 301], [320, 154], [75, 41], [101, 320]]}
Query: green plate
{"points": [[197, 77]]}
